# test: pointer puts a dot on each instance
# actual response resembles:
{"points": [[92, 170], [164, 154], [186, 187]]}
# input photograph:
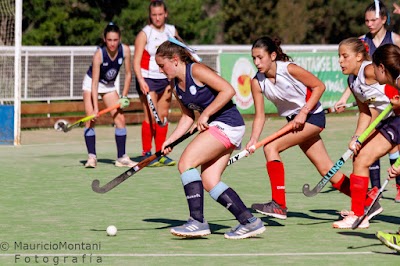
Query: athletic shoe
{"points": [[349, 220], [397, 199], [154, 163], [390, 240], [192, 228], [271, 209], [242, 231], [125, 161], [165, 160], [375, 210], [91, 162]]}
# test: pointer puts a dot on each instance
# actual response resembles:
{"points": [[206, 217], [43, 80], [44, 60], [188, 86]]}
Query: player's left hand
{"points": [[124, 102]]}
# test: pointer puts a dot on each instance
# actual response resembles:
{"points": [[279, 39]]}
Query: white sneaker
{"points": [[125, 161], [348, 221], [91, 162]]}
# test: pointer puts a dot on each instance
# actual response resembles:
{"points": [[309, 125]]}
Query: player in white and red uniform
{"points": [[371, 100], [376, 18], [150, 80], [296, 93]]}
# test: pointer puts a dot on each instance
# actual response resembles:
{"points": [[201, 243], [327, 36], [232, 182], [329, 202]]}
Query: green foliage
{"points": [[81, 22]]}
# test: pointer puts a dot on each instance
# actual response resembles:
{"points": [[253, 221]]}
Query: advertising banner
{"points": [[238, 69]]}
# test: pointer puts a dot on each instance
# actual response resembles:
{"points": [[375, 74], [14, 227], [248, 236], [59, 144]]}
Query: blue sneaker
{"points": [[247, 230], [191, 229], [154, 163], [165, 160]]}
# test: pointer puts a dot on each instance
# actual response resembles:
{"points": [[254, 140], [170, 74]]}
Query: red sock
{"points": [[161, 135], [359, 188], [147, 137], [276, 174], [343, 185]]}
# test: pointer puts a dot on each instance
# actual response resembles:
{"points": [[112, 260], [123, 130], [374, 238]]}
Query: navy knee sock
{"points": [[194, 195], [375, 174], [120, 140], [228, 198], [392, 161], [90, 140]]}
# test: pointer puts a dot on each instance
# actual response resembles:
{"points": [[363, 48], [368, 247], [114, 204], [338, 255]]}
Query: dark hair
{"points": [[383, 11], [358, 46], [156, 3], [168, 49], [111, 27], [272, 45], [389, 56]]}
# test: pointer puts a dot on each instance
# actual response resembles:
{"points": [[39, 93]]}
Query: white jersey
{"points": [[155, 38], [288, 94], [373, 94]]}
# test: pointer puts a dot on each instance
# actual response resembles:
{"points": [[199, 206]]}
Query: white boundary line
{"points": [[192, 255]]}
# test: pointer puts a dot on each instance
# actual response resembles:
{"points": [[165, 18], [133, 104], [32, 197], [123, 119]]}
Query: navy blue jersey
{"points": [[109, 69], [199, 97], [368, 39]]}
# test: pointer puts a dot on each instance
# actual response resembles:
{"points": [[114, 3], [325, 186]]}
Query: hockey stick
{"points": [[63, 125], [362, 218], [284, 130], [122, 177], [325, 179], [189, 49], [333, 110], [154, 111]]}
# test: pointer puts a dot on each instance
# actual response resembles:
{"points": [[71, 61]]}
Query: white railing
{"points": [[56, 73]]}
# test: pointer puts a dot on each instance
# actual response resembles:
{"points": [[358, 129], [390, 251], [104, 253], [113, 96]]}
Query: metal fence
{"points": [[56, 73]]}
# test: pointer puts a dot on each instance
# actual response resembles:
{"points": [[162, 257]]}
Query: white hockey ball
{"points": [[111, 230]]}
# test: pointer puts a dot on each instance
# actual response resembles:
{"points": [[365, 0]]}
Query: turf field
{"points": [[50, 216]]}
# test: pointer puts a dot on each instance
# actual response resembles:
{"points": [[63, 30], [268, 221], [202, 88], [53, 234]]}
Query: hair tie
{"points": [[187, 48], [377, 9], [366, 46], [111, 23]]}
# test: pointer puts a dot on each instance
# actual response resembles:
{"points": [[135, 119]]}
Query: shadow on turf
{"points": [[172, 223], [104, 161]]}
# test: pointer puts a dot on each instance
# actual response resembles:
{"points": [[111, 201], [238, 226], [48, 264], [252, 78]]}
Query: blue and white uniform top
{"points": [[197, 97], [373, 94], [368, 39], [109, 69], [155, 38], [287, 93]]}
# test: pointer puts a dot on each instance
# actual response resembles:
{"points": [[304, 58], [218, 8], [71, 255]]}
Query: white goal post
{"points": [[10, 71]]}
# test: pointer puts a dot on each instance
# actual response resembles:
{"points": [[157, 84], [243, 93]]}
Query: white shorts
{"points": [[234, 134], [87, 86]]}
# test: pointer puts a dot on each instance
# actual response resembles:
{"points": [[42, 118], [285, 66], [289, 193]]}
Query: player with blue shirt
{"points": [[221, 130], [100, 80]]}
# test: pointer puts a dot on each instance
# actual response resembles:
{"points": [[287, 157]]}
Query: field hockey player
{"points": [[100, 80], [221, 127], [353, 59], [279, 79]]}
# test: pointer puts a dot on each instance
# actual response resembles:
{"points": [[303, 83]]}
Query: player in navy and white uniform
{"points": [[296, 93], [199, 88], [100, 80], [150, 80], [376, 18], [387, 71]]}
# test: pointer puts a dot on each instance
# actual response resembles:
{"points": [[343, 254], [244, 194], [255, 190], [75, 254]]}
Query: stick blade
{"points": [[96, 187], [309, 193]]}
